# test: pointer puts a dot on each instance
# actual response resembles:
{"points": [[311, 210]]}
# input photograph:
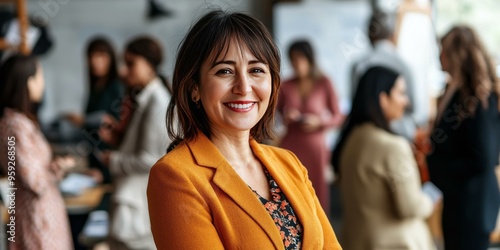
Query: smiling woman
{"points": [[218, 188], [235, 90]]}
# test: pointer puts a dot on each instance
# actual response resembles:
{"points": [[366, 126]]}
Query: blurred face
{"points": [[300, 64], [99, 63], [36, 85], [137, 71], [234, 91], [394, 104]]}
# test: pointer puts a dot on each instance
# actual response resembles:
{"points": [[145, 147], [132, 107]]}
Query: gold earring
{"points": [[197, 103]]}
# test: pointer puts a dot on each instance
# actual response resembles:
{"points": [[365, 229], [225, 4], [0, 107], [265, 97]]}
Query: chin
{"points": [[242, 127]]}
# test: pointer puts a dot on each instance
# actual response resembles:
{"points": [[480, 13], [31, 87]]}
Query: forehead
{"points": [[400, 82], [131, 57], [99, 53], [243, 47], [296, 54]]}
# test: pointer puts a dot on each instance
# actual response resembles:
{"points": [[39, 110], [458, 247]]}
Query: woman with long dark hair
{"points": [[466, 142], [105, 89], [105, 95], [383, 204], [40, 216]]}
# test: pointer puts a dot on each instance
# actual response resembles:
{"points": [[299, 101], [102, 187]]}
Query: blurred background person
{"points": [[220, 188], [383, 202], [381, 33], [466, 142], [309, 107], [41, 221], [105, 95], [140, 140], [384, 53]]}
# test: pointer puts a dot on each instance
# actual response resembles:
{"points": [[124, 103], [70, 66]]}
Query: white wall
{"points": [[73, 22]]}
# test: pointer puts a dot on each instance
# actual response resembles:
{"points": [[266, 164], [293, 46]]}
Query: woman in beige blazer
{"points": [[141, 141], [383, 203]]}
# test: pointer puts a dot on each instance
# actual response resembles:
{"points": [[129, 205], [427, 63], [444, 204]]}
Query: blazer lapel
{"points": [[292, 192], [206, 154]]}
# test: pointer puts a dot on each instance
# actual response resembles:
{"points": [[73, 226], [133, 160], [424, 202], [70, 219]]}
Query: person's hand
{"points": [[292, 115], [61, 164], [106, 131], [74, 118], [432, 192], [96, 174], [311, 122]]}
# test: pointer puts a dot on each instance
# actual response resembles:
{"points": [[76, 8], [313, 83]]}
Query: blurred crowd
{"points": [[401, 155]]}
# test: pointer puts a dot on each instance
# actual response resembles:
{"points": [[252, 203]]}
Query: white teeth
{"points": [[240, 106]]}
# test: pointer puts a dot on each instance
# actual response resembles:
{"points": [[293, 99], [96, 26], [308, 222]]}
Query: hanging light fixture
{"points": [[157, 10]]}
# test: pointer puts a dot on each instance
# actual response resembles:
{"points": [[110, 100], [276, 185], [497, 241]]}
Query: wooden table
{"points": [[87, 201]]}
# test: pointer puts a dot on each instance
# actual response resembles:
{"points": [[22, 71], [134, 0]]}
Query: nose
{"points": [[242, 85]]}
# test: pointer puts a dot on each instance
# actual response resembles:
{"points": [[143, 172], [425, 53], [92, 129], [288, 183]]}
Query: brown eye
{"points": [[223, 72], [257, 70]]}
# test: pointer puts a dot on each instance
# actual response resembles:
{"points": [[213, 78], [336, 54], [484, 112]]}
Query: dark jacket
{"points": [[462, 164]]}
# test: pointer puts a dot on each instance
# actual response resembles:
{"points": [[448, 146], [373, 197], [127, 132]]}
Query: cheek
{"points": [[211, 94], [402, 103], [302, 66], [103, 67], [129, 73], [137, 72], [264, 90]]}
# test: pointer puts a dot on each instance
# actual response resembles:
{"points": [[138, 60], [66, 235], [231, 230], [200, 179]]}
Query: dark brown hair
{"points": [[206, 40], [304, 47], [366, 106], [14, 92], [101, 44], [151, 50], [470, 66]]}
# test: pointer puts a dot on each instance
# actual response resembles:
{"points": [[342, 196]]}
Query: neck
{"points": [[384, 42], [141, 85], [149, 81], [100, 82], [305, 79], [235, 148]]}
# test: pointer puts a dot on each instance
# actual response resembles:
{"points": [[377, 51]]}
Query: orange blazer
{"points": [[197, 201]]}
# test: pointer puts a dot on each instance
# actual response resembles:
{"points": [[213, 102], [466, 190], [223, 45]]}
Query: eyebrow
{"points": [[234, 63]]}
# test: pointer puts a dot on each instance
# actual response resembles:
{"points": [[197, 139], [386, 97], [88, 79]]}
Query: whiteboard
{"points": [[336, 30]]}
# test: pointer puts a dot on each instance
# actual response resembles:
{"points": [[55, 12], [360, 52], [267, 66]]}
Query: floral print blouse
{"points": [[283, 215]]}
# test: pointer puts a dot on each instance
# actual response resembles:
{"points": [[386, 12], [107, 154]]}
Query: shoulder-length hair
{"points": [[305, 48], [14, 92], [366, 106], [151, 50], [101, 44], [470, 67], [206, 40]]}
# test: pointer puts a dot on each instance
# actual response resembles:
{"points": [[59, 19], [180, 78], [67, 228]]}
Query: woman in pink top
{"points": [[41, 221], [309, 107]]}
